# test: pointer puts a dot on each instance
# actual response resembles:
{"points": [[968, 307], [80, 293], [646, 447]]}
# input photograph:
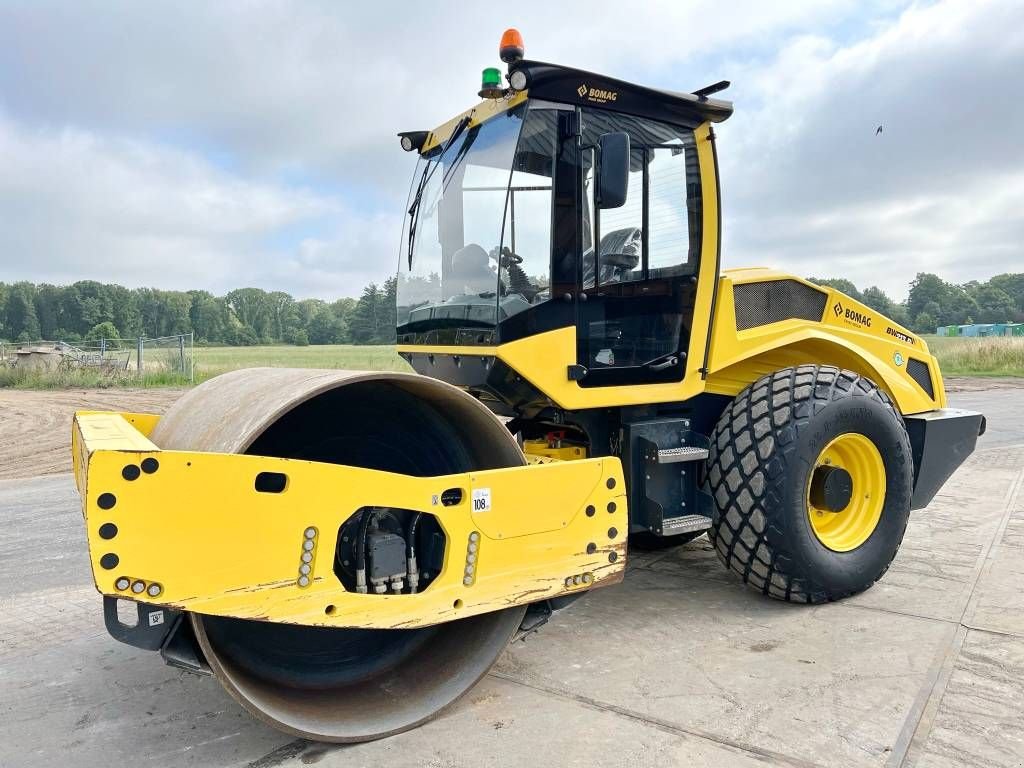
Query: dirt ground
{"points": [[35, 425], [964, 384]]}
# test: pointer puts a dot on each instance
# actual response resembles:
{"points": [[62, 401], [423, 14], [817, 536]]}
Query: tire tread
{"points": [[748, 464]]}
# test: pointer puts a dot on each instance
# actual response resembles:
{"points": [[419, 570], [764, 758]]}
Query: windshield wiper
{"points": [[428, 172]]}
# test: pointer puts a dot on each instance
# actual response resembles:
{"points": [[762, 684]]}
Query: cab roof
{"points": [[553, 82]]}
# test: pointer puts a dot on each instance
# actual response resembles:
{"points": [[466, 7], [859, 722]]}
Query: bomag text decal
{"points": [[596, 95], [852, 316]]}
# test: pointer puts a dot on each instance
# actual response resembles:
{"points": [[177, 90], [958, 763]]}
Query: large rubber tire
{"points": [[763, 450]]}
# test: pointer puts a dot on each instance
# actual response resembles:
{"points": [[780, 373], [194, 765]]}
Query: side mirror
{"points": [[613, 170]]}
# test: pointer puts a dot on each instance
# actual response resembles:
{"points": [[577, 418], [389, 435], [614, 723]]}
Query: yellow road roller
{"points": [[349, 552]]}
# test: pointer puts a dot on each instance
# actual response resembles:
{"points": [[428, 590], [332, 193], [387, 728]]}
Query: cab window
{"points": [[525, 255], [638, 260]]}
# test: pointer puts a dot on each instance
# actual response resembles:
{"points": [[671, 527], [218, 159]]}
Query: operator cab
{"points": [[567, 201]]}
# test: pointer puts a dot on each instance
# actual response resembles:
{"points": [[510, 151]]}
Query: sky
{"points": [[218, 145]]}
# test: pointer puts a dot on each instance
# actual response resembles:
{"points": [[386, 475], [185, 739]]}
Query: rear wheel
{"points": [[812, 475]]}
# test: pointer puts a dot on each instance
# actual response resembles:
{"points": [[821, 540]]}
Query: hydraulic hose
{"points": [[365, 518], [412, 573]]}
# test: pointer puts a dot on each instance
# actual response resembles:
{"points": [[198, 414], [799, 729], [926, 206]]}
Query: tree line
{"points": [[90, 310], [933, 302]]}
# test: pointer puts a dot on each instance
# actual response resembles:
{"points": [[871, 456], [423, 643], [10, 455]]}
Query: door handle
{"points": [[663, 365]]}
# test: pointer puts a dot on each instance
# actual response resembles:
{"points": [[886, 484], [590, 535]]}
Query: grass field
{"points": [[957, 357], [978, 357], [211, 361]]}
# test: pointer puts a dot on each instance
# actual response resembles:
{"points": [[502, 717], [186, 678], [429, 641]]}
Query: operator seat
{"points": [[471, 272], [618, 255]]}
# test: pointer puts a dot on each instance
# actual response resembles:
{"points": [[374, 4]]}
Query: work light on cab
{"points": [[491, 84], [517, 80], [413, 140], [511, 48]]}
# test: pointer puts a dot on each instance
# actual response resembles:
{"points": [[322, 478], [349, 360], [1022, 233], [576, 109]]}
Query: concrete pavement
{"points": [[678, 665]]}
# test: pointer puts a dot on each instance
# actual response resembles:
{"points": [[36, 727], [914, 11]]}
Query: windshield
{"points": [[480, 213]]}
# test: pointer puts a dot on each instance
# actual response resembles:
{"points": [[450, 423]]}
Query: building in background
{"points": [[981, 329]]}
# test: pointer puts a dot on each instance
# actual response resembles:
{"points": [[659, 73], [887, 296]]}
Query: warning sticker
{"points": [[481, 499], [156, 618]]}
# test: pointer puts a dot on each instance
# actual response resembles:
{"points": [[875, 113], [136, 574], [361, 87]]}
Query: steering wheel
{"points": [[506, 257]]}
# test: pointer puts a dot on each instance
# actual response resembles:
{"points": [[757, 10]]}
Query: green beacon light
{"points": [[491, 87]]}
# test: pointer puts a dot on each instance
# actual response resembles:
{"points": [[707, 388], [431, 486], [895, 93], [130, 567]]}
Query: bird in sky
{"points": [[878, 131]]}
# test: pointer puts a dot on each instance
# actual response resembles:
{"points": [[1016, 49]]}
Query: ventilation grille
{"points": [[759, 304], [919, 372]]}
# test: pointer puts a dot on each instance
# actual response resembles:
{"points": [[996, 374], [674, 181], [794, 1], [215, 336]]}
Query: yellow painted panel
{"points": [[101, 429], [851, 335], [198, 528], [560, 496], [543, 359], [567, 452], [856, 338]]}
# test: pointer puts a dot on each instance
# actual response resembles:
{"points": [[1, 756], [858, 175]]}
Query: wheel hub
{"points": [[831, 488], [846, 492]]}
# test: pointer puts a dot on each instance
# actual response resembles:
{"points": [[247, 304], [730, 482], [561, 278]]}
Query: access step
{"points": [[683, 453], [673, 526]]}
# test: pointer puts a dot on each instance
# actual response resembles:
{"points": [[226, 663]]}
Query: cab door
{"points": [[640, 260]]}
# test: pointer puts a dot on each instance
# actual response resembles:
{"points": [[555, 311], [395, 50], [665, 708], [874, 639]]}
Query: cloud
{"points": [[234, 143], [315, 86], [76, 206], [811, 187]]}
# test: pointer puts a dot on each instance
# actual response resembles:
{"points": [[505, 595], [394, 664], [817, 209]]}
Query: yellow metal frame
{"points": [[850, 335], [481, 113], [197, 529], [543, 359], [847, 529], [567, 452], [869, 343]]}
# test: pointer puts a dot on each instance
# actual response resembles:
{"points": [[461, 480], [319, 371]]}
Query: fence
{"points": [[162, 360]]}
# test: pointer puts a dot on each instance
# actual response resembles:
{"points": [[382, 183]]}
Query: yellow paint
{"points": [[565, 452], [736, 358], [115, 431], [481, 113], [199, 529], [740, 357], [544, 359], [847, 529]]}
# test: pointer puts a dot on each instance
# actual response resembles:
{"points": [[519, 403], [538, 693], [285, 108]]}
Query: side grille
{"points": [[772, 301], [918, 371]]}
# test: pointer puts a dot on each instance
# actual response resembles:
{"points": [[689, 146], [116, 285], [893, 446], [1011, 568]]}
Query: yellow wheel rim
{"points": [[847, 528]]}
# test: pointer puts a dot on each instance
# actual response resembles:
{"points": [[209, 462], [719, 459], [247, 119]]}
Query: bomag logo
{"points": [[851, 315], [596, 95]]}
